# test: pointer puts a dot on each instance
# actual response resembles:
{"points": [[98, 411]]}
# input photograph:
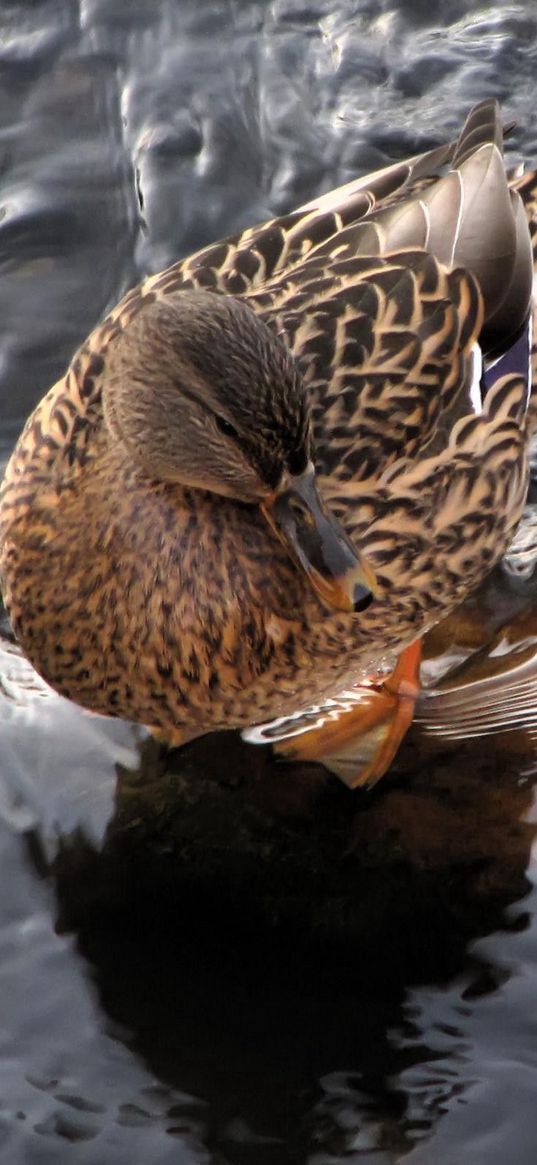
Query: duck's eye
{"points": [[226, 427], [298, 461]]}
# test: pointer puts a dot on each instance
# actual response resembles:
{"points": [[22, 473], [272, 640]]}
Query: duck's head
{"points": [[202, 393]]}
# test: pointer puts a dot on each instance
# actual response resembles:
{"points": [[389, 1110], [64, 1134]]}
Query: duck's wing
{"points": [[247, 261], [384, 315], [494, 693], [357, 284], [453, 201]]}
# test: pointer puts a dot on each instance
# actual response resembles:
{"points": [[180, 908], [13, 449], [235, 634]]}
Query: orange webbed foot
{"points": [[358, 741]]}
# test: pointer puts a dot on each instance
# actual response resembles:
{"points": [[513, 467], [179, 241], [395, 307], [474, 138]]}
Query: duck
{"points": [[277, 464]]}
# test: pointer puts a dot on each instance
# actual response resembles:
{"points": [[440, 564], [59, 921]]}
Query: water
{"points": [[141, 1021]]}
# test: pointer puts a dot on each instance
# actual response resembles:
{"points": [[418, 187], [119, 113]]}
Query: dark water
{"points": [[132, 133]]}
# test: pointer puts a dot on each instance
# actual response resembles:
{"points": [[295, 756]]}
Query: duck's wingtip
{"points": [[483, 125]]}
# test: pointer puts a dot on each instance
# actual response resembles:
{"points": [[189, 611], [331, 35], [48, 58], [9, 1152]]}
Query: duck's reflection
{"points": [[293, 1009], [311, 1052]]}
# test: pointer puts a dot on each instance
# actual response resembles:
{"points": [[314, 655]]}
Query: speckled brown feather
{"points": [[177, 607]]}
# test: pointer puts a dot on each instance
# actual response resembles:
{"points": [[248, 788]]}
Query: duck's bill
{"points": [[319, 544]]}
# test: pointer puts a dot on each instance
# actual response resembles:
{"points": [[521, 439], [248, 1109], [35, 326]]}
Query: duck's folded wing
{"points": [[246, 261], [486, 706], [416, 202]]}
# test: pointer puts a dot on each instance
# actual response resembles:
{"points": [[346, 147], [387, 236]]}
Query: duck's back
{"points": [[382, 288]]}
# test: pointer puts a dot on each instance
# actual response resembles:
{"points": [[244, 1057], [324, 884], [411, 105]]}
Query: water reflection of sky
{"points": [[482, 1085], [131, 134]]}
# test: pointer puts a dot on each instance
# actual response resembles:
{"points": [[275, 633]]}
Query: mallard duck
{"points": [[275, 465]]}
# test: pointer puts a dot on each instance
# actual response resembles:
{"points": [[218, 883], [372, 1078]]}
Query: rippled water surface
{"points": [[134, 1026]]}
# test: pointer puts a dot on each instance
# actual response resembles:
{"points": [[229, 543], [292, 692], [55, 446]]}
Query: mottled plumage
{"points": [[142, 594]]}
